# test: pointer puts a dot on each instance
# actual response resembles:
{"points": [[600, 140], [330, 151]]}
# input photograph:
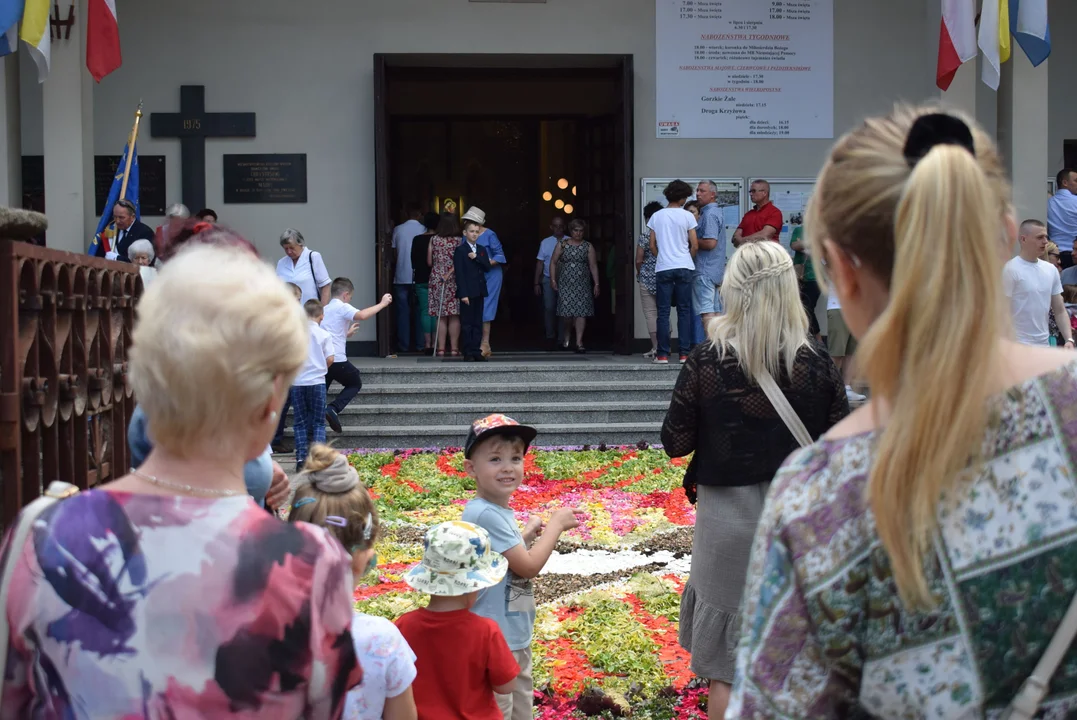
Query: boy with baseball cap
{"points": [[461, 658], [494, 457]]}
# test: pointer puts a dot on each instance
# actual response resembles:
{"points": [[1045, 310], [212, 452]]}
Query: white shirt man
{"points": [[404, 281], [1034, 289], [543, 289], [1062, 215], [674, 230], [403, 236]]}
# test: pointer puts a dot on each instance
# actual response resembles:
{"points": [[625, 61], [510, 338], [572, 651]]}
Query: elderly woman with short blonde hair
{"points": [[169, 591]]}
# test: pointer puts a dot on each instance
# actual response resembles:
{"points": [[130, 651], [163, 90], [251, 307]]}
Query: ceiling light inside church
{"points": [[547, 196], [559, 204], [569, 209], [562, 183], [573, 189]]}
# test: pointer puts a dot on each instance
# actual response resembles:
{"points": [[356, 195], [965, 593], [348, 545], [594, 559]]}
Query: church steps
{"points": [[490, 390], [409, 436], [494, 372], [533, 413]]}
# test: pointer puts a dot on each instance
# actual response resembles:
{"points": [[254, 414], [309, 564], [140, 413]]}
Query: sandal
{"points": [[455, 353], [580, 350], [441, 353]]}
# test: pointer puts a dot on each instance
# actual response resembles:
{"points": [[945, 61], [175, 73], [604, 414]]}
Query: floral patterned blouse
{"points": [[388, 666], [825, 634], [126, 606], [646, 269]]}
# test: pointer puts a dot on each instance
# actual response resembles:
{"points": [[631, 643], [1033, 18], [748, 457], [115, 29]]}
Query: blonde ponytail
{"points": [[938, 239]]}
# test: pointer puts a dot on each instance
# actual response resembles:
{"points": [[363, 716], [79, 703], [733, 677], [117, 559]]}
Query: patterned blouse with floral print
{"points": [[126, 606], [825, 634]]}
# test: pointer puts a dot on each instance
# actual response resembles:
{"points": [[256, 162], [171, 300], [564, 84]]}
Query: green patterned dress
{"points": [[825, 634]]}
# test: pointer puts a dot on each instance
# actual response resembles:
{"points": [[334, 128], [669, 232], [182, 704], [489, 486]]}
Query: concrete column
{"points": [[67, 111], [1023, 133], [10, 133]]}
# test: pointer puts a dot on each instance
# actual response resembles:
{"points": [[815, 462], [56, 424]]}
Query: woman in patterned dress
{"points": [[573, 261], [169, 592], [917, 560], [648, 289], [443, 303]]}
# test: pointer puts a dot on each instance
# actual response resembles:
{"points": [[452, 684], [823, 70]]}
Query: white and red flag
{"points": [[957, 39], [102, 38]]}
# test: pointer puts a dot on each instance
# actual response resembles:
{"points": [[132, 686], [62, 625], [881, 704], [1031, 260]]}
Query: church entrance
{"points": [[525, 138]]}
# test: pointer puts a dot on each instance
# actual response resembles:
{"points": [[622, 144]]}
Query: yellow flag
{"points": [[35, 32], [1003, 30]]}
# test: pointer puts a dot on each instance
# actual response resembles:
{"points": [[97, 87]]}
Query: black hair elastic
{"points": [[936, 129]]}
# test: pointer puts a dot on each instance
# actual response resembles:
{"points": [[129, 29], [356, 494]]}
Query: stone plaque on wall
{"points": [[265, 178], [151, 182]]}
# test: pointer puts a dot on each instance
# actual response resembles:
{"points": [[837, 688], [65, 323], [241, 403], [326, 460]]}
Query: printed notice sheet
{"points": [[745, 68]]}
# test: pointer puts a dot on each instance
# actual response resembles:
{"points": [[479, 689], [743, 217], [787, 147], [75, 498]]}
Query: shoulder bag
{"points": [[783, 408], [56, 491]]}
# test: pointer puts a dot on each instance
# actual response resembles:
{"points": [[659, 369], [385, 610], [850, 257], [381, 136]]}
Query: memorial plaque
{"points": [[265, 178], [151, 182]]}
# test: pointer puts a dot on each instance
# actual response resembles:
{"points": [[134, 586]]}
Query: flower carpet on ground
{"points": [[606, 631]]}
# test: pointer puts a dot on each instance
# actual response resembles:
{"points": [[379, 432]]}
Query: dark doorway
{"points": [[505, 133]]}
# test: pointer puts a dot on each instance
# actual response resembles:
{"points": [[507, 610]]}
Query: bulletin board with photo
{"points": [[790, 195], [731, 199]]}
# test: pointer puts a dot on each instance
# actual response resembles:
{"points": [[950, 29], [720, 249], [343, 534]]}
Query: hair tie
{"points": [[936, 129], [201, 227], [340, 477], [301, 502]]}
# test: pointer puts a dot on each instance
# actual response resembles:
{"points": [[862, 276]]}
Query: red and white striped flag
{"points": [[102, 38], [957, 39]]}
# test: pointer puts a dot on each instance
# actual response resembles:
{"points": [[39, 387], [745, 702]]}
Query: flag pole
{"points": [[131, 150]]}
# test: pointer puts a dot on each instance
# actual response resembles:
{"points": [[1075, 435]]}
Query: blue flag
{"points": [[10, 14], [1029, 26], [103, 236]]}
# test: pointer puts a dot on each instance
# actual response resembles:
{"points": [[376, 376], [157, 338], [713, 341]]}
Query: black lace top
{"points": [[737, 436]]}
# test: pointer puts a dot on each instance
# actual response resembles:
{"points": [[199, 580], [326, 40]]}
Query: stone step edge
{"points": [[552, 387], [461, 430], [507, 408]]}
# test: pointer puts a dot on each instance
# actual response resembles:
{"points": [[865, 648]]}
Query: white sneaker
{"points": [[854, 396], [650, 355]]}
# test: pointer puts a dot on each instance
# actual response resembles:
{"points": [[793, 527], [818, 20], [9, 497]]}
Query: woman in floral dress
{"points": [[574, 263], [443, 303], [917, 560], [169, 593]]}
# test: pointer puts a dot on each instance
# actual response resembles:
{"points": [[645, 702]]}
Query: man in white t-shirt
{"points": [[674, 244], [341, 322], [555, 331], [841, 344], [404, 278], [1034, 289]]}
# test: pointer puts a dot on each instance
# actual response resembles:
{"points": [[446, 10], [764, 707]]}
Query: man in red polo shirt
{"points": [[763, 221]]}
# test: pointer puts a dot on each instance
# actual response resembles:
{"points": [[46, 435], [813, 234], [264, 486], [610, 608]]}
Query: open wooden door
{"points": [[383, 230], [624, 211]]}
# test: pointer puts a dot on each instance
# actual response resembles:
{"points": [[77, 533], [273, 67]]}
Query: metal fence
{"points": [[65, 325]]}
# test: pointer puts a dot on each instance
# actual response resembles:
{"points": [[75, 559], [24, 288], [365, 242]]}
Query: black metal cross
{"points": [[192, 125]]}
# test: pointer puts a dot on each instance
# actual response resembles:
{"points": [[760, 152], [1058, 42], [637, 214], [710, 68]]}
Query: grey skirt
{"points": [[726, 520]]}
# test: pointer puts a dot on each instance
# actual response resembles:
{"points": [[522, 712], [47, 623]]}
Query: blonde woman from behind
{"points": [[917, 561], [170, 592], [329, 494], [720, 412]]}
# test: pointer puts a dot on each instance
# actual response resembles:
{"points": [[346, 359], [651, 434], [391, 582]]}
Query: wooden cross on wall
{"points": [[192, 125]]}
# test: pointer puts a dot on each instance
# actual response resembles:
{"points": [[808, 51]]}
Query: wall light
{"points": [[547, 196], [573, 189], [559, 203], [569, 209], [562, 183]]}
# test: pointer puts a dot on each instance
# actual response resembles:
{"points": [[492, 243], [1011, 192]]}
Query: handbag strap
{"points": [[56, 491], [783, 408], [1027, 701]]}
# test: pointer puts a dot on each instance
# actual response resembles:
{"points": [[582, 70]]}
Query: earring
{"points": [[273, 416]]}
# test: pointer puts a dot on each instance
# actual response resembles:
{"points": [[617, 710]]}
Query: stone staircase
{"points": [[577, 400]]}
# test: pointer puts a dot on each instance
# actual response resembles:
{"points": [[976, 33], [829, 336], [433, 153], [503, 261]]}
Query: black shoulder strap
{"points": [[313, 277]]}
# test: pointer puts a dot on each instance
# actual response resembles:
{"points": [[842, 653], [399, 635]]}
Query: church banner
{"points": [[745, 68]]}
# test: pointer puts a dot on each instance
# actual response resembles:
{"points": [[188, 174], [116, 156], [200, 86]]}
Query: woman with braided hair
{"points": [[720, 412]]}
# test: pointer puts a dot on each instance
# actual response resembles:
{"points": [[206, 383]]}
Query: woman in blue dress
{"points": [[492, 243]]}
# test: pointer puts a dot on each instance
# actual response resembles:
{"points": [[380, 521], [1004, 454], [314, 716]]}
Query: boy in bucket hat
{"points": [[461, 658], [494, 457]]}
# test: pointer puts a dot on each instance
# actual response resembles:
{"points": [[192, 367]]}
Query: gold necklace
{"points": [[184, 488]]}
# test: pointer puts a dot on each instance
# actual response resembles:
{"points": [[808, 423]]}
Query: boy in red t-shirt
{"points": [[461, 659]]}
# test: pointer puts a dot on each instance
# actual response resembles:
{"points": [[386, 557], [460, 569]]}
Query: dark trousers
{"points": [[405, 303], [283, 416], [347, 375], [674, 288], [809, 295], [1067, 259], [471, 326]]}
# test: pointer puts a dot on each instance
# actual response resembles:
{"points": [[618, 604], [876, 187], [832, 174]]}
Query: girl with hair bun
{"points": [[330, 494], [918, 560]]}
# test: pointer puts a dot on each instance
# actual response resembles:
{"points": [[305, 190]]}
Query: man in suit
{"points": [[127, 229], [470, 263]]}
